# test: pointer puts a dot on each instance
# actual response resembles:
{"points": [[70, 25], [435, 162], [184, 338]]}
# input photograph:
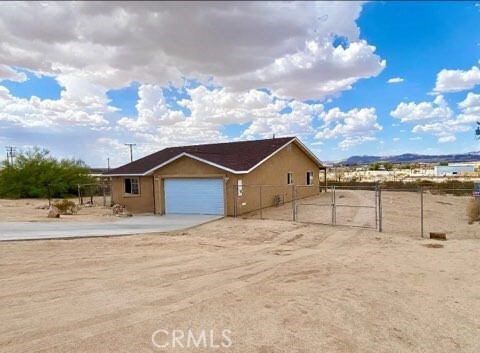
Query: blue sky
{"points": [[348, 78]]}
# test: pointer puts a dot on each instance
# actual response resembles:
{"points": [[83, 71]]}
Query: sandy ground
{"points": [[277, 286], [401, 212], [24, 210]]}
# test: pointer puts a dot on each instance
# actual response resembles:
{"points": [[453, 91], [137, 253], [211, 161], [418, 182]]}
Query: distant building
{"points": [[453, 169]]}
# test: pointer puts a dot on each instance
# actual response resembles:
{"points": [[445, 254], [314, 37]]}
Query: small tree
{"points": [[36, 174], [388, 165]]}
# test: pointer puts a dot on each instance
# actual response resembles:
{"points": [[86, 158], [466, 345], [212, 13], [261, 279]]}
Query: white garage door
{"points": [[194, 196]]}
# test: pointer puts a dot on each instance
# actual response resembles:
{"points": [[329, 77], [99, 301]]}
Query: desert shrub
{"points": [[473, 210], [66, 207]]}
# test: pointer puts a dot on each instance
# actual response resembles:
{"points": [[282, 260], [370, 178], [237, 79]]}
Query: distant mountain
{"points": [[413, 158]]}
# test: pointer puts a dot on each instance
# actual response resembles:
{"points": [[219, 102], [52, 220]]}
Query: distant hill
{"points": [[413, 158]]}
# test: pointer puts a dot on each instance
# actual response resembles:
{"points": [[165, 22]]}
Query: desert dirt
{"points": [[25, 210], [277, 286]]}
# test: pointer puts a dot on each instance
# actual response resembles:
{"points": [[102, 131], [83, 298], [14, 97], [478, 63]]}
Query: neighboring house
{"points": [[220, 178], [453, 169]]}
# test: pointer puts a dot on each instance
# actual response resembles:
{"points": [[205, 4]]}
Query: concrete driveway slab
{"points": [[132, 225]]}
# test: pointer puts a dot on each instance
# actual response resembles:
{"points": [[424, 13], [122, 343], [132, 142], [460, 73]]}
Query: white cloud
{"points": [[316, 71], [67, 111], [395, 80], [470, 109], [471, 104], [438, 119], [457, 80], [445, 130], [211, 110], [286, 46], [448, 138], [152, 111], [297, 122], [7, 73], [416, 138], [396, 139], [352, 141], [223, 107], [354, 127], [422, 112]]}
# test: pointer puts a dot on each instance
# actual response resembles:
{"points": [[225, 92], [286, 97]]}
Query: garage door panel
{"points": [[194, 196]]}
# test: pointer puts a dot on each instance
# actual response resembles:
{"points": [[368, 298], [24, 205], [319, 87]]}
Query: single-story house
{"points": [[220, 178]]}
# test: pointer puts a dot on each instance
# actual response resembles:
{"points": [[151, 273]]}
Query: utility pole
{"points": [[10, 154], [131, 150], [108, 163]]}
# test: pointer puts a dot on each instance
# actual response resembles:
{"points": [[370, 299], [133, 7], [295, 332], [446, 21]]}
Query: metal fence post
{"points": [[334, 209], [294, 203], [235, 195], [376, 206], [421, 211], [104, 196], [380, 210], [261, 206]]}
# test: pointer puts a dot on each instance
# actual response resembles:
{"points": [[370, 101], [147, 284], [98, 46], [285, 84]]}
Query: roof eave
{"points": [[183, 154], [301, 145]]}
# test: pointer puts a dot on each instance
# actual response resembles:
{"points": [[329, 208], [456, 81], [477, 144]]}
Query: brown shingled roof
{"points": [[234, 156]]}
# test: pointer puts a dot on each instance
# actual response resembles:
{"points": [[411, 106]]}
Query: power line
{"points": [[131, 150], [11, 150]]}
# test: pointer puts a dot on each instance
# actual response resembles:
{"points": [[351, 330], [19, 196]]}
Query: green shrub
{"points": [[36, 174]]}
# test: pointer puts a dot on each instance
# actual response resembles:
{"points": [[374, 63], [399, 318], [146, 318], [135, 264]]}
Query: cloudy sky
{"points": [[83, 78]]}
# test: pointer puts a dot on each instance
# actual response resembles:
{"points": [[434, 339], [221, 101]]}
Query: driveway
{"points": [[132, 225]]}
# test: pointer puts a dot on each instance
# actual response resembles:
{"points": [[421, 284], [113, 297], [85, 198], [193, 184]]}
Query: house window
{"points": [[309, 178], [240, 187], [131, 186], [290, 178]]}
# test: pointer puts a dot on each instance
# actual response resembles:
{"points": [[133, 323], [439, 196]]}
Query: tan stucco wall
{"points": [[272, 172], [142, 203]]}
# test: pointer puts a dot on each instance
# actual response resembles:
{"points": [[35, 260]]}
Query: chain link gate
{"points": [[352, 206]]}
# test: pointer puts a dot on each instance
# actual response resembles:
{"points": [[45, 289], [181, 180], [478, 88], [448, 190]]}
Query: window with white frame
{"points": [[309, 178], [290, 178], [131, 186], [240, 187]]}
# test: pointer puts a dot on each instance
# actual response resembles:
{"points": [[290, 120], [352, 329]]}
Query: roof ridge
{"points": [[230, 142]]}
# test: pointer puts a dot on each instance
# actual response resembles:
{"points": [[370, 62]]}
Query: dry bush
{"points": [[473, 210], [66, 207]]}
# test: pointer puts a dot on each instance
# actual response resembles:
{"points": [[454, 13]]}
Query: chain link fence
{"points": [[413, 212], [307, 203], [95, 194]]}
